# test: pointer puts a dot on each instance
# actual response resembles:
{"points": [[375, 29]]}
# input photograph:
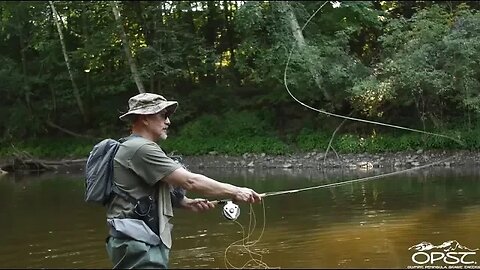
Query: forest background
{"points": [[69, 67]]}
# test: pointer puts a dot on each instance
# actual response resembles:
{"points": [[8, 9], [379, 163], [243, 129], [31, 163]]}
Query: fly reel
{"points": [[231, 211]]}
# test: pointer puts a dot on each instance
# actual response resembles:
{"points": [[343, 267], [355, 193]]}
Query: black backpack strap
{"points": [[124, 139]]}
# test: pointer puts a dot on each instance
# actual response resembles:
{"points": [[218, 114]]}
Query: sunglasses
{"points": [[164, 114]]}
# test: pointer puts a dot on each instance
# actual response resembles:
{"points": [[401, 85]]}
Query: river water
{"points": [[45, 223]]}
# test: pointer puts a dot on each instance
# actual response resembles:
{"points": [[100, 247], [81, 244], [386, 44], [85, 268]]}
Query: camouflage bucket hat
{"points": [[148, 103]]}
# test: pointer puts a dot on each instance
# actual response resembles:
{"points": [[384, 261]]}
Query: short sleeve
{"points": [[152, 164]]}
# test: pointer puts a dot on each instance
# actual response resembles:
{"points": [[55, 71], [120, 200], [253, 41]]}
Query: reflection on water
{"points": [[46, 224]]}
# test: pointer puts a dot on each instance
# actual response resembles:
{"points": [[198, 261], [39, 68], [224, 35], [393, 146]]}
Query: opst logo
{"points": [[450, 254]]}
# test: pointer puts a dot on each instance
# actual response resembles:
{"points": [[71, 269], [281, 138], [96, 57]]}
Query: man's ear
{"points": [[143, 119]]}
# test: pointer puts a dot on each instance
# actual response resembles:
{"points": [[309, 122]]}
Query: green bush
{"points": [[348, 143], [309, 140], [51, 148], [204, 126], [238, 133], [233, 133], [244, 125], [232, 146]]}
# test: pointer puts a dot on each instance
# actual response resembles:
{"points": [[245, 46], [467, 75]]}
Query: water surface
{"points": [[46, 224]]}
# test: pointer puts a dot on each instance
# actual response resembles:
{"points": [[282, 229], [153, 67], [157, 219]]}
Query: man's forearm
{"points": [[209, 187]]}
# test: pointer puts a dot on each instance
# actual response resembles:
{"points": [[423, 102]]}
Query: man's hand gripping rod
{"points": [[231, 211]]}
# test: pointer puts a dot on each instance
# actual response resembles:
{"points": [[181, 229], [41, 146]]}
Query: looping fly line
{"points": [[336, 4], [347, 117], [255, 258]]}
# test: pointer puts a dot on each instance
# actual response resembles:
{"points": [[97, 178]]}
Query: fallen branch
{"points": [[22, 164], [23, 161], [54, 162], [50, 123]]}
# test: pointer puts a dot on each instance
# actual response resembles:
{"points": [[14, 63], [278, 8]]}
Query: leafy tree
{"points": [[420, 69], [224, 61]]}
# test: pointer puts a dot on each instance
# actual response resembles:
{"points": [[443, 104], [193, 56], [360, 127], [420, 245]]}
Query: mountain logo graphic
{"points": [[447, 246]]}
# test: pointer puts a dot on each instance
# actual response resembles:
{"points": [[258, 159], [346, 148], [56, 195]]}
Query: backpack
{"points": [[99, 184]]}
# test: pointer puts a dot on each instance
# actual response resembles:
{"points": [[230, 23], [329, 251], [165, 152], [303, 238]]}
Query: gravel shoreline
{"points": [[439, 158], [317, 160]]}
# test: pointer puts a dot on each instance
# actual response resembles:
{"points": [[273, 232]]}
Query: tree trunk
{"points": [[158, 26], [231, 38], [54, 100], [229, 31], [76, 93], [26, 87], [210, 33], [86, 44], [298, 35], [126, 47], [193, 31]]}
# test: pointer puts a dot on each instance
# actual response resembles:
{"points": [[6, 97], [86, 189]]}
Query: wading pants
{"points": [[129, 253]]}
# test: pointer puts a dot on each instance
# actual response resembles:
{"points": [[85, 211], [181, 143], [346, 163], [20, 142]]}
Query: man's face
{"points": [[158, 124]]}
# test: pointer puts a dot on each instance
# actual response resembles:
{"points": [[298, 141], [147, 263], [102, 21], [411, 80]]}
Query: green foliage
{"points": [[222, 145], [413, 63], [244, 125], [234, 133], [471, 138], [204, 126], [368, 96], [428, 66], [47, 148], [231, 125], [308, 140], [350, 143]]}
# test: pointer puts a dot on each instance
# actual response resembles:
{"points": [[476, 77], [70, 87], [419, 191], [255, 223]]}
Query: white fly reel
{"points": [[231, 211]]}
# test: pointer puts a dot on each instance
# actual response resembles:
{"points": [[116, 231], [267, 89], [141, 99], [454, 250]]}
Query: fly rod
{"points": [[231, 210]]}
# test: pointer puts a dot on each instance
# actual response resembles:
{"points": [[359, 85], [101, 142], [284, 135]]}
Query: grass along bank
{"points": [[305, 141]]}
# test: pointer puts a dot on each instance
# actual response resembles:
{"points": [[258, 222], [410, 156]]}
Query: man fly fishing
{"points": [[139, 227]]}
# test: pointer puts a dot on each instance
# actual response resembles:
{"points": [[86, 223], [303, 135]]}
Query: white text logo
{"points": [[450, 254]]}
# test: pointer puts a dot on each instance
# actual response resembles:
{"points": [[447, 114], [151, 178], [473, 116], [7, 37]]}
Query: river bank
{"points": [[333, 160], [316, 160]]}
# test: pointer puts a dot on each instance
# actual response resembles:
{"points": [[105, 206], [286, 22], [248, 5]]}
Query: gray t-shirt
{"points": [[139, 167]]}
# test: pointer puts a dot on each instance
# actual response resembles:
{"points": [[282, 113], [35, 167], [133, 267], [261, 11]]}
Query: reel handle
{"points": [[224, 201]]}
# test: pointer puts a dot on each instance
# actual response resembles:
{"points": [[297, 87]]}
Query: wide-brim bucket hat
{"points": [[148, 103]]}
